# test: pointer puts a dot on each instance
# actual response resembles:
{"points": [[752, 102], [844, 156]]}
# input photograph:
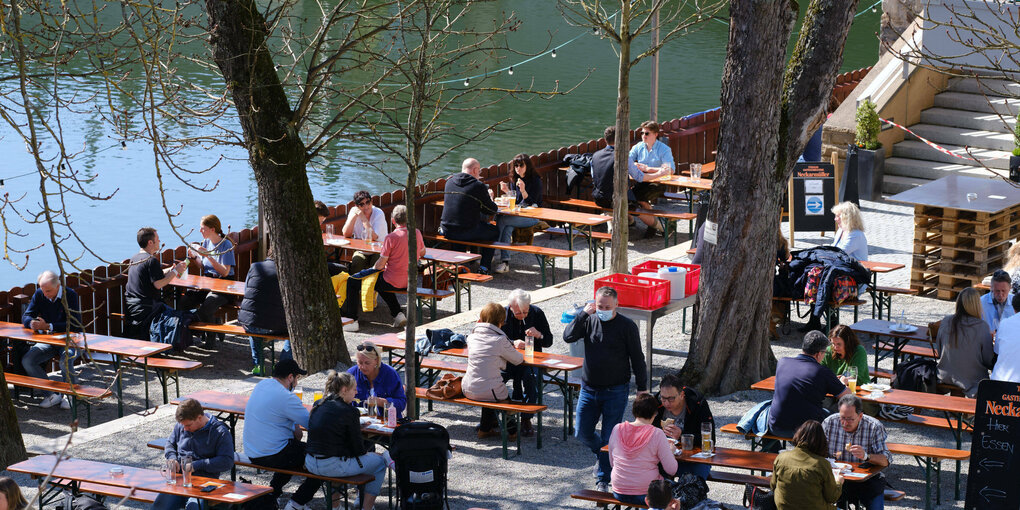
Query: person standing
{"points": [[46, 313], [367, 222], [146, 278], [467, 206], [995, 304], [612, 352], [273, 419], [203, 438], [856, 437], [262, 310], [525, 320]]}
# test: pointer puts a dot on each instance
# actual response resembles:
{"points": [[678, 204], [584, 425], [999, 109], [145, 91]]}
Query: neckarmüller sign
{"points": [[991, 480]]}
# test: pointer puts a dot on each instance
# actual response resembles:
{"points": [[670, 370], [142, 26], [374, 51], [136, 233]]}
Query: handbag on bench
{"points": [[446, 388]]}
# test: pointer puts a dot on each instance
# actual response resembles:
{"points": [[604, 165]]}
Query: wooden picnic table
{"points": [[683, 182], [760, 461], [116, 347], [882, 296], [439, 261], [79, 471], [897, 339], [217, 285], [556, 366]]}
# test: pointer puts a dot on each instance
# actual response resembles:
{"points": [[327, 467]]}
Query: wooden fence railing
{"points": [[692, 140]]}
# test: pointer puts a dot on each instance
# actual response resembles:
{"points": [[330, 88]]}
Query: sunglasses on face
{"points": [[366, 348], [646, 133]]}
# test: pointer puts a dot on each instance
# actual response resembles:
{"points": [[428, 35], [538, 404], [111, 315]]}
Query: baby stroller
{"points": [[420, 451]]}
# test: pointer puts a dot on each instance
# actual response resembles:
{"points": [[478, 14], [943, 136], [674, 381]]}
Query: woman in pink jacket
{"points": [[636, 448], [489, 350]]}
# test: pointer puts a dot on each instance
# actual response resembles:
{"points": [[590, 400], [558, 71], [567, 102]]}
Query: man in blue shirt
{"points": [[801, 385], [649, 159], [203, 438], [273, 419], [995, 304], [46, 313]]}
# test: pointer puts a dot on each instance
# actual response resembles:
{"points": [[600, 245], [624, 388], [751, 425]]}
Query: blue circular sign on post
{"points": [[814, 205]]}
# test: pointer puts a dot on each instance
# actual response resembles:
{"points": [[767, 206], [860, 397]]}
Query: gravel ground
{"points": [[479, 476]]}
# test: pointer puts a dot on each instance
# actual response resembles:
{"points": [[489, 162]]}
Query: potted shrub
{"points": [[870, 158], [1014, 159]]}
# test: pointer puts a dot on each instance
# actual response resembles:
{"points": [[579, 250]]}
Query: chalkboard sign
{"points": [[992, 479], [814, 194]]}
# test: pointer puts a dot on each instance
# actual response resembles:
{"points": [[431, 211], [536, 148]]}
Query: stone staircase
{"points": [[980, 115]]}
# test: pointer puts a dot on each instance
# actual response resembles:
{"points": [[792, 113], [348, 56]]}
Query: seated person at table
{"points": [[525, 186], [467, 205], [321, 210], [10, 495], [995, 305], [856, 437], [649, 159], [262, 310], [660, 496], [850, 231], [206, 440], [273, 419], [377, 383], [146, 279], [636, 450], [802, 477], [524, 319], [801, 385], [846, 351], [489, 350], [1007, 347], [964, 344], [216, 255], [394, 263], [335, 446], [682, 412], [364, 221], [46, 313]]}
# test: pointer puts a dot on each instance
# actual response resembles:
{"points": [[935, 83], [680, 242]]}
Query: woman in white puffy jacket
{"points": [[489, 350]]}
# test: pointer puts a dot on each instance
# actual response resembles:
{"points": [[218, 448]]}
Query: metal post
{"points": [[654, 97]]}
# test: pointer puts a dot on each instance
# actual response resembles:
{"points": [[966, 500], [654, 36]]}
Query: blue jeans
{"points": [[482, 232], [174, 502], [256, 345], [637, 499], [371, 464], [506, 225], [608, 405], [43, 353]]}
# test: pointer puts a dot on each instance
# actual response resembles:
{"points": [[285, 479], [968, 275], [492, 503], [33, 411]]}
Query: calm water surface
{"points": [[690, 71]]}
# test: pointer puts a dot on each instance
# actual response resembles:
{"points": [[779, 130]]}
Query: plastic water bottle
{"points": [[391, 416], [529, 348]]}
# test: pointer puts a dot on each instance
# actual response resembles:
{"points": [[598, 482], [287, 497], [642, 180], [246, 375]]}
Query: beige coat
{"points": [[488, 352]]}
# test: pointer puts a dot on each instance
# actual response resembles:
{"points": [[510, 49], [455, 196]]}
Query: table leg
{"points": [[120, 386], [959, 442], [649, 326], [570, 246], [145, 370]]}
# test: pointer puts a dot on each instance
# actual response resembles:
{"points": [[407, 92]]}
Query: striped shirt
{"points": [[870, 434]]}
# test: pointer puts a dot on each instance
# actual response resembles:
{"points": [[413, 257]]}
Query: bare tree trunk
{"points": [[277, 156], [766, 122], [622, 146], [12, 446]]}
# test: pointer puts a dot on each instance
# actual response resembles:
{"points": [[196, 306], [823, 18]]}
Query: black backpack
{"points": [[420, 451], [918, 374], [80, 502]]}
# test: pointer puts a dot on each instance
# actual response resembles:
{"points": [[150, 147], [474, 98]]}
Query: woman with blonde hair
{"points": [[850, 231], [378, 382], [335, 446], [964, 344], [10, 495], [489, 350]]}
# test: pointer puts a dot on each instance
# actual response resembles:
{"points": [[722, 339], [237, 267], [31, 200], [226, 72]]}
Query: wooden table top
{"points": [[881, 327], [217, 285], [682, 181], [392, 341], [81, 470], [431, 254], [706, 168], [951, 192], [759, 461], [95, 342], [881, 267], [553, 215], [935, 402]]}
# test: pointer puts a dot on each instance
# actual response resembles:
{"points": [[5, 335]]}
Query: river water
{"points": [[690, 69]]}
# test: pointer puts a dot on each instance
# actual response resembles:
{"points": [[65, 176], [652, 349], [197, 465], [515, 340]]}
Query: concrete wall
{"points": [[947, 22]]}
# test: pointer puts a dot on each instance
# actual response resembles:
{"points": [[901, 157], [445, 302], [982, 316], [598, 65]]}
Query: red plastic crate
{"points": [[636, 291], [652, 266]]}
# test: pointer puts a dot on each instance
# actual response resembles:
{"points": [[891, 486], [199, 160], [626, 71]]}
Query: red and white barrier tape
{"points": [[929, 142]]}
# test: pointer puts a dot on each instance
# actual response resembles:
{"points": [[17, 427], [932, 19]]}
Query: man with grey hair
{"points": [[801, 385], [467, 206], [854, 437], [46, 314], [612, 351], [525, 320]]}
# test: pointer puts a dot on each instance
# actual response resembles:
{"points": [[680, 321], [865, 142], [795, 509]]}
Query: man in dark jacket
{"points": [[467, 205], [801, 384], [262, 310], [46, 313], [203, 438], [683, 411], [612, 351], [525, 320]]}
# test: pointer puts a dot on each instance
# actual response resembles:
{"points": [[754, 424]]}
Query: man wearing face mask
{"points": [[612, 352]]}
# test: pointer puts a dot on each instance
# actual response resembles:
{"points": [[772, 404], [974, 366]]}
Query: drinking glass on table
{"points": [[329, 231], [187, 467], [317, 396], [851, 379], [687, 442], [706, 437], [300, 392], [696, 171], [169, 471]]}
